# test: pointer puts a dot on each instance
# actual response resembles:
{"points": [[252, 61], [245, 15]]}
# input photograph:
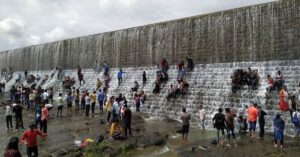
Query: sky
{"points": [[31, 22]]}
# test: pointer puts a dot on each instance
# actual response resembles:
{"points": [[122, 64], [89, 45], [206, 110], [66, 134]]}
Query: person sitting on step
{"points": [[171, 92], [279, 81], [270, 83], [183, 87]]}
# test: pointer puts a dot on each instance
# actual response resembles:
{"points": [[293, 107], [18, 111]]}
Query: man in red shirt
{"points": [[29, 139]]}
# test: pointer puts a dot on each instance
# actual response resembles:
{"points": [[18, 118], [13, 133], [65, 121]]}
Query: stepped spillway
{"points": [[210, 85]]}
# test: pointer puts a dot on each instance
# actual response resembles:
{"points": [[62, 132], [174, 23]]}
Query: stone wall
{"points": [[256, 33]]}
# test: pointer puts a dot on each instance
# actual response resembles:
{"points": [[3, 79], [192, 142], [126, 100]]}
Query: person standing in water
{"points": [[219, 122], [120, 76], [8, 114], [230, 126], [185, 117], [93, 98], [279, 125], [87, 104], [45, 115], [60, 105], [261, 120], [252, 117], [18, 109], [202, 116]]}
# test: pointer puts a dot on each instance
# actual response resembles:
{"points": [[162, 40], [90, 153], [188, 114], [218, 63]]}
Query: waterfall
{"points": [[263, 32]]}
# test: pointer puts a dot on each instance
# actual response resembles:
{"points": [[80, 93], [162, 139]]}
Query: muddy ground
{"points": [[63, 131]]}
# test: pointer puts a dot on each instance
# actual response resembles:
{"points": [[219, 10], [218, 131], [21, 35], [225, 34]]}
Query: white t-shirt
{"points": [[45, 95], [8, 111], [87, 100], [60, 101], [202, 114]]}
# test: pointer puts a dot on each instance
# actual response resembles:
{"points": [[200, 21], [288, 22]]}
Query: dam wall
{"points": [[263, 32]]}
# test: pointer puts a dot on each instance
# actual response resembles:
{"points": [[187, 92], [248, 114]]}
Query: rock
{"points": [[153, 139]]}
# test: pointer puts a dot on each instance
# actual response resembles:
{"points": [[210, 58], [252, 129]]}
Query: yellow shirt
{"points": [[108, 106], [93, 98], [115, 128], [98, 84]]}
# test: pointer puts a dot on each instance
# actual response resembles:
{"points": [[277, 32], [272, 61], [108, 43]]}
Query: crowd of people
{"points": [[68, 82], [275, 84], [247, 123], [243, 77], [119, 114], [179, 90]]}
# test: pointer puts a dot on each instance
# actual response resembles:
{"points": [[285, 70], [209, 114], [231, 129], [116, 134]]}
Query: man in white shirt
{"points": [[45, 97], [60, 104], [202, 116], [87, 104], [8, 114]]}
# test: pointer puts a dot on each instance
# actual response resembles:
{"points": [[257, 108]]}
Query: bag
{"points": [[296, 119]]}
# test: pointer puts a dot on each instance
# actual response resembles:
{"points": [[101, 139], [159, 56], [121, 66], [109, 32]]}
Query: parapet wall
{"points": [[262, 32]]}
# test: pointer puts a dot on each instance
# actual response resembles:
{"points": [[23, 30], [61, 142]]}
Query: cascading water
{"points": [[262, 32], [210, 85]]}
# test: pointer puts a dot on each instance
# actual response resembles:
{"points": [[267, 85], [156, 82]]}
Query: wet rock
{"points": [[153, 139]]}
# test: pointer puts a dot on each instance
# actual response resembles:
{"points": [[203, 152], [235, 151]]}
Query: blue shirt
{"points": [[120, 74], [100, 96]]}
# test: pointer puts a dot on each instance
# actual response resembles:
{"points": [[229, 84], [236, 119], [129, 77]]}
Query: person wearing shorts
{"points": [[185, 117], [219, 122]]}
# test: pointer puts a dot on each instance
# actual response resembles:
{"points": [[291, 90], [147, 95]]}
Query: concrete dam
{"points": [[264, 37]]}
